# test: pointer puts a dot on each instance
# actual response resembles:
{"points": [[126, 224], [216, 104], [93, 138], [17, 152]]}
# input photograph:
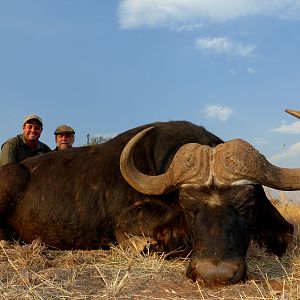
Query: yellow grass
{"points": [[35, 272]]}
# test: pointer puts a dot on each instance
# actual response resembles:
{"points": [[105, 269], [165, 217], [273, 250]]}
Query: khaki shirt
{"points": [[16, 149]]}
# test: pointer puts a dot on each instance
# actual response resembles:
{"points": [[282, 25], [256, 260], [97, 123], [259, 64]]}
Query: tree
{"points": [[95, 140]]}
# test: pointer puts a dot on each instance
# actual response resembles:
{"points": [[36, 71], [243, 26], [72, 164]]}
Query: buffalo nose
{"points": [[224, 272]]}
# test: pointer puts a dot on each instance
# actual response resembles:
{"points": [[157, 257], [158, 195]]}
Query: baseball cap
{"points": [[33, 117], [64, 129]]}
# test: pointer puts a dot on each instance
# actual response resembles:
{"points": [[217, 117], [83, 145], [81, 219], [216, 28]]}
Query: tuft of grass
{"points": [[124, 272]]}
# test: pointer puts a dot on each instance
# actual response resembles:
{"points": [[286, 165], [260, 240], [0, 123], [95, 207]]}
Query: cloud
{"points": [[186, 27], [250, 71], [293, 128], [232, 72], [135, 14], [291, 153], [219, 112], [223, 45]]}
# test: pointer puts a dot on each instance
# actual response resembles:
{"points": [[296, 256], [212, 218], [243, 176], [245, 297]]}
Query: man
{"points": [[26, 144], [64, 137]]}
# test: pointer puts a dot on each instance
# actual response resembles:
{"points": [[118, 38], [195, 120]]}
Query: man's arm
{"points": [[7, 155]]}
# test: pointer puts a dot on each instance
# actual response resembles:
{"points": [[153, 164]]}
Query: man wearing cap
{"points": [[26, 144], [64, 137]]}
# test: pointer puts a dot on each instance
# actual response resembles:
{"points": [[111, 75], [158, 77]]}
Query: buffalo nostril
{"points": [[230, 271]]}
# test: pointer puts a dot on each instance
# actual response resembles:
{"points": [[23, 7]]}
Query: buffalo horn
{"points": [[190, 164], [294, 113], [236, 162]]}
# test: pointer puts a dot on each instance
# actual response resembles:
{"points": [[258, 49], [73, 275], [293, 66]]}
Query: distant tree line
{"points": [[95, 140]]}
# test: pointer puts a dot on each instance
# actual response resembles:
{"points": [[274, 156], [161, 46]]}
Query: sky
{"points": [[106, 66]]}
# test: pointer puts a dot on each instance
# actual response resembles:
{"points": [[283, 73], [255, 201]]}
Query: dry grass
{"points": [[35, 272]]}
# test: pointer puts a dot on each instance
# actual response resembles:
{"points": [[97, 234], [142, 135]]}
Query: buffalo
{"points": [[173, 182]]}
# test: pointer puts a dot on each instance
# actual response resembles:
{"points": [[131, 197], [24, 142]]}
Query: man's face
{"points": [[64, 140], [32, 130]]}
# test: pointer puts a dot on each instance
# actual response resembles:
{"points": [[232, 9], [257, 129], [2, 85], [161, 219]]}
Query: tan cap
{"points": [[64, 129], [293, 112], [33, 117]]}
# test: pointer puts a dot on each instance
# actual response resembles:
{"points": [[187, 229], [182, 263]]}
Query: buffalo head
{"points": [[223, 203]]}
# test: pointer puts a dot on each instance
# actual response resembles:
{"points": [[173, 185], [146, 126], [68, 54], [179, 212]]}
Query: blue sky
{"points": [[106, 66]]}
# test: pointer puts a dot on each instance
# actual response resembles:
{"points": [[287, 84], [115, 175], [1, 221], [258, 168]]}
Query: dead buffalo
{"points": [[176, 183]]}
